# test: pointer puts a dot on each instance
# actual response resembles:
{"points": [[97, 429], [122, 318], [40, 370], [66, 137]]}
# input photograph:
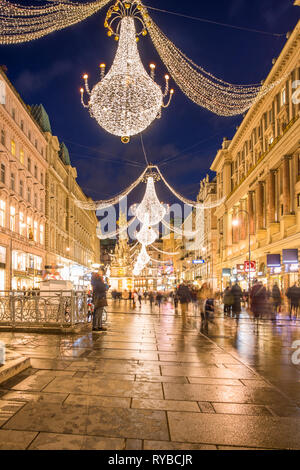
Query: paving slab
{"points": [[250, 431]]}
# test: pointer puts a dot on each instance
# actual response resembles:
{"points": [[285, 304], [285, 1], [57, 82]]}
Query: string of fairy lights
{"points": [[126, 100]]}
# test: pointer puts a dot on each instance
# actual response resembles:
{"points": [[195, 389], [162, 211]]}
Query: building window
{"points": [[12, 219], [35, 143], [41, 234], [298, 199], [22, 156], [35, 200], [12, 181], [2, 173], [13, 113], [13, 148], [21, 188], [22, 125], [35, 230], [29, 164], [2, 213], [35, 171], [28, 194], [42, 205], [29, 228], [283, 97], [42, 178], [29, 135], [22, 224], [2, 136]]}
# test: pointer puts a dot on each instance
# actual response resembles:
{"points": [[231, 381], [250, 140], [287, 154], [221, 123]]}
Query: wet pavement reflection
{"points": [[152, 382]]}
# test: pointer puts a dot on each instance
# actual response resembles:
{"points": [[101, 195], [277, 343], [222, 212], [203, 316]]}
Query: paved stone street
{"points": [[150, 383]]}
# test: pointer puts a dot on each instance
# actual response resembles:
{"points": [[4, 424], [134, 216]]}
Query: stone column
{"points": [[271, 197], [251, 212], [286, 185], [259, 206]]}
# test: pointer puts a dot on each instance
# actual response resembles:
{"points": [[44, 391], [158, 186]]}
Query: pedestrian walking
{"points": [[237, 295], [293, 294], [135, 298], [228, 301], [159, 299], [151, 299], [258, 297], [276, 298], [140, 295], [183, 293]]}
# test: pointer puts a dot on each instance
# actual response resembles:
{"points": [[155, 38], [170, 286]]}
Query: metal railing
{"points": [[45, 308]]}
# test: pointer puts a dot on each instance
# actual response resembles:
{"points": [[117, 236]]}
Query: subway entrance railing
{"points": [[63, 309]]}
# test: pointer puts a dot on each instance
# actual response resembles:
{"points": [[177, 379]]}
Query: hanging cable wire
{"points": [[142, 142], [97, 205], [113, 234], [204, 20]]}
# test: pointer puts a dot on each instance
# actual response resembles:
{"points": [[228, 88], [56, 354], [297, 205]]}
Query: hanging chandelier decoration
{"points": [[127, 100]]}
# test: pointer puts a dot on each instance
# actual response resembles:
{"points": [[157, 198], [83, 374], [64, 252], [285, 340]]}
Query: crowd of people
{"points": [[260, 302]]}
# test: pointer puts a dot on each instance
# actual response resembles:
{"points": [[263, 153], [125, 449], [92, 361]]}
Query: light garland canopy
{"points": [[126, 101]]}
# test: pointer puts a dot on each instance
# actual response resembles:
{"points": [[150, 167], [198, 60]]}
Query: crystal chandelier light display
{"points": [[150, 210], [127, 99], [146, 236]]}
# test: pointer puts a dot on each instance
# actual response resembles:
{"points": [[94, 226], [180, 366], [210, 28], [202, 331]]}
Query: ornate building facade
{"points": [[23, 168], [258, 174], [42, 230], [72, 246]]}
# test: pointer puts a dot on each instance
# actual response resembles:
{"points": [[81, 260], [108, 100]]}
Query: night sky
{"points": [[185, 140]]}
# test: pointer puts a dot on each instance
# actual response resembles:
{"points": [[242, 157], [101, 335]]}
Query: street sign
{"points": [[252, 266]]}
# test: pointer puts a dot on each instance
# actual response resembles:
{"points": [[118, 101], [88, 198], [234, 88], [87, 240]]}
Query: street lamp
{"points": [[235, 223]]}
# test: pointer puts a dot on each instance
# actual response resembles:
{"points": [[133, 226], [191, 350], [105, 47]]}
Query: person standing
{"points": [[228, 301], [184, 295], [99, 300], [237, 295]]}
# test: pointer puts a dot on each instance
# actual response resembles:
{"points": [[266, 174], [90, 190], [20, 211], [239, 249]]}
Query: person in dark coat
{"points": [[184, 295], [228, 301], [237, 295], [276, 298], [293, 294], [99, 300], [258, 296]]}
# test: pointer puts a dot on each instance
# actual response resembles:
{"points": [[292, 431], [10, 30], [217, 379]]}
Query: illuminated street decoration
{"points": [[125, 104], [150, 210], [146, 236], [126, 100]]}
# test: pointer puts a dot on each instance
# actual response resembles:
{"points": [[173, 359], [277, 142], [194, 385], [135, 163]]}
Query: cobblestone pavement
{"points": [[149, 382]]}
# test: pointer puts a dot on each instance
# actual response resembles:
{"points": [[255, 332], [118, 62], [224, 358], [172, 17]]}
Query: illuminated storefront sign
{"points": [[226, 272], [198, 261], [273, 260], [290, 256]]}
